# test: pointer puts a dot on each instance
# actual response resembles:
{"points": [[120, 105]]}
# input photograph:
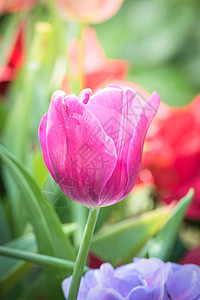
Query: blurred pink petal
{"points": [[88, 11]]}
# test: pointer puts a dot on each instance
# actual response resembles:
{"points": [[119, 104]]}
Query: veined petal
{"points": [[102, 293], [126, 119], [136, 147], [145, 293], [84, 96], [43, 141], [188, 286], [106, 105], [115, 104], [82, 156]]}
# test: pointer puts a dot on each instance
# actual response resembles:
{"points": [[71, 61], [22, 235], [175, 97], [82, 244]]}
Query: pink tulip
{"points": [[92, 145], [88, 11]]}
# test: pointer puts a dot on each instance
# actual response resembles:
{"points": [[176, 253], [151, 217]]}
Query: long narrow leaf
{"points": [[49, 234], [13, 270], [39, 259], [163, 243]]}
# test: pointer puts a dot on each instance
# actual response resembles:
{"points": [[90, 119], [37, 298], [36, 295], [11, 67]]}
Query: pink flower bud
{"points": [[92, 145]]}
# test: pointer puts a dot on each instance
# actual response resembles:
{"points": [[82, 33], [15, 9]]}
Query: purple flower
{"points": [[144, 279], [92, 145]]}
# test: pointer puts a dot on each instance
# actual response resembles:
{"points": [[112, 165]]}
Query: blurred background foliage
{"points": [[161, 42]]}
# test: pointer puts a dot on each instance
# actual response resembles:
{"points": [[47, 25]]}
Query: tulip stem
{"points": [[83, 252]]}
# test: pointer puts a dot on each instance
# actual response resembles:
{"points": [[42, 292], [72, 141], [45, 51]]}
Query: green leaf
{"points": [[47, 227], [162, 244], [5, 235], [40, 171], [37, 258], [121, 242], [34, 290], [103, 216], [13, 270], [17, 217], [79, 214], [3, 114]]}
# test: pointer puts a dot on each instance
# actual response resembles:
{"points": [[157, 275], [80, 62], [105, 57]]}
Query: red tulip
{"points": [[173, 153]]}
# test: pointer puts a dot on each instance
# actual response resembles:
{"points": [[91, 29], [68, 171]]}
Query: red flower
{"points": [[173, 154], [94, 262], [97, 70]]}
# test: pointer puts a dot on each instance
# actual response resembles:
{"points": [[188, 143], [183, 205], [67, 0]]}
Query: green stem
{"points": [[83, 252], [77, 82], [60, 35], [40, 259]]}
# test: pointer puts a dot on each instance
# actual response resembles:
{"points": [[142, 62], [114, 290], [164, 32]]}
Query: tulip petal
{"points": [[189, 285], [115, 104], [82, 156], [42, 138], [145, 293], [126, 119], [136, 148], [102, 293]]}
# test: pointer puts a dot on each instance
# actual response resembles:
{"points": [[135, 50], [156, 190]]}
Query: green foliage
{"points": [[51, 239], [119, 243], [12, 270], [160, 40], [162, 245]]}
